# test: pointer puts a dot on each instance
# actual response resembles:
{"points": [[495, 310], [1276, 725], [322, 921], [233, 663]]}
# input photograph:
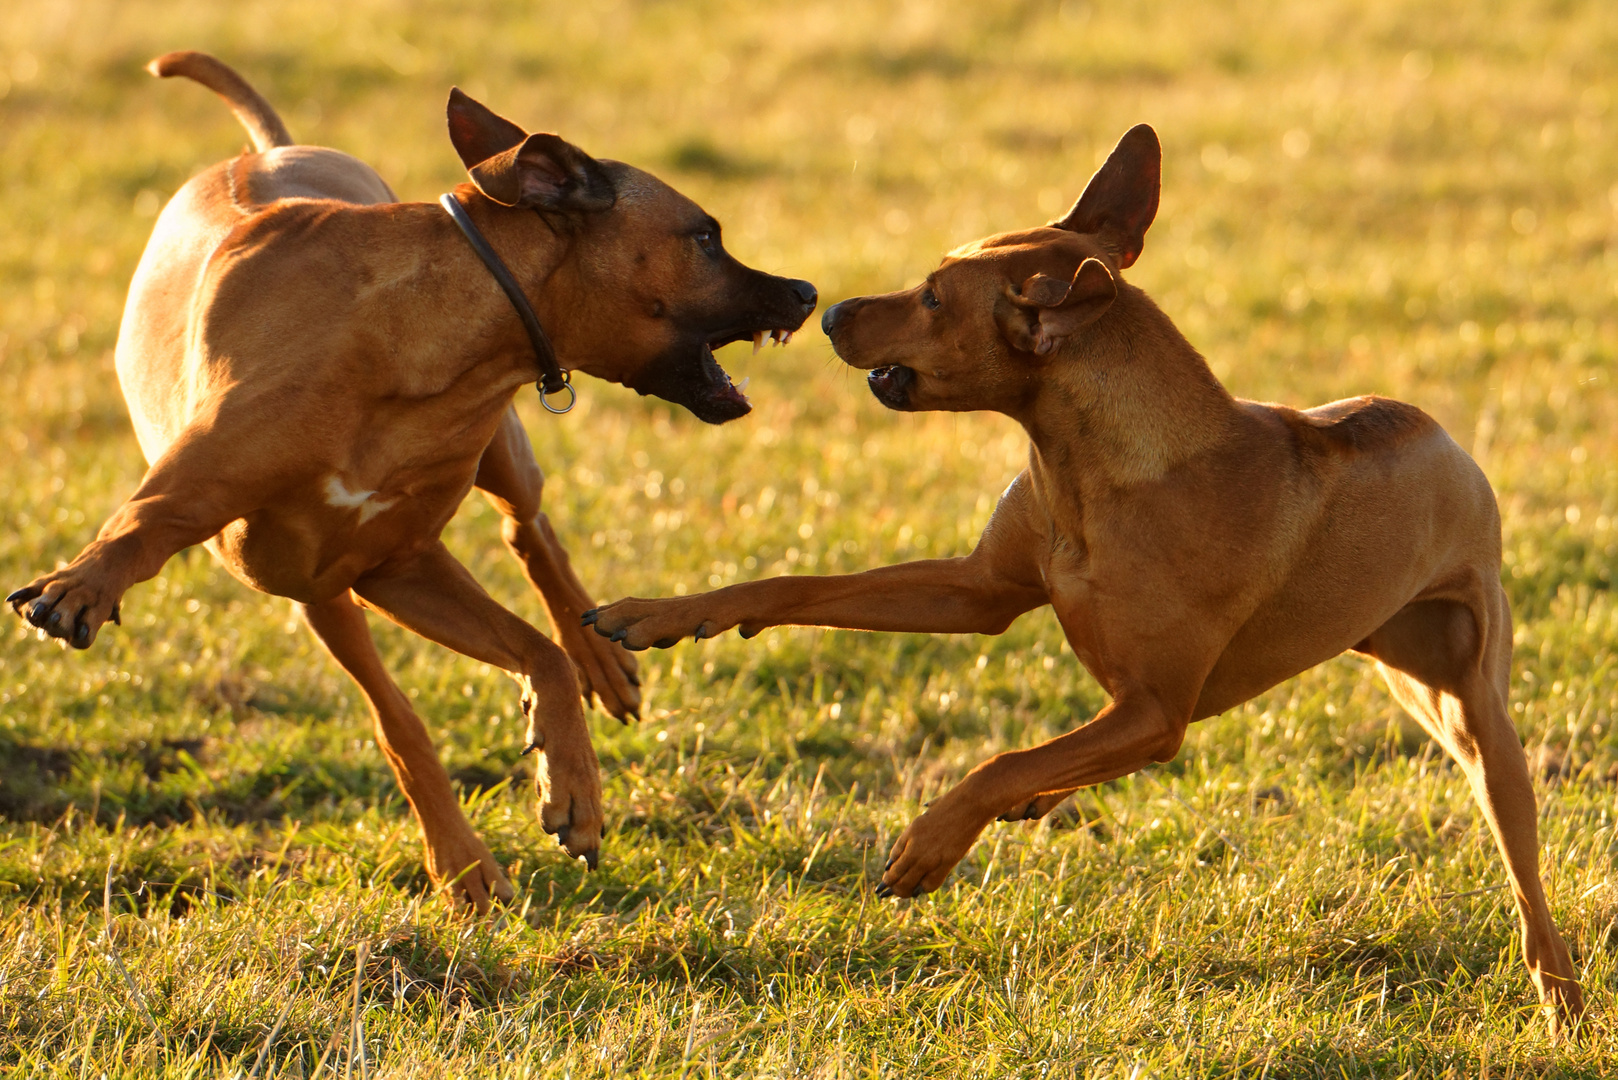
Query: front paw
{"points": [[605, 669], [643, 624], [926, 852], [70, 605], [568, 782], [461, 865]]}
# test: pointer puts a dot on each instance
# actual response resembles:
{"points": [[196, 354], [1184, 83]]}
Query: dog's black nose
{"points": [[806, 293], [828, 321]]}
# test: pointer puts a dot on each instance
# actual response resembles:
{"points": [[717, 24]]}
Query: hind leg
{"points": [[457, 859], [200, 484], [1449, 665], [511, 479]]}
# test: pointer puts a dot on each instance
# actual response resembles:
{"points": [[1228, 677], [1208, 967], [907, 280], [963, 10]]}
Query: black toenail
{"points": [[746, 633], [589, 617], [620, 634], [884, 891], [592, 858]]}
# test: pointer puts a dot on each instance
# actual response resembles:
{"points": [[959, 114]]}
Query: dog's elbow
{"points": [[1165, 737], [993, 610]]}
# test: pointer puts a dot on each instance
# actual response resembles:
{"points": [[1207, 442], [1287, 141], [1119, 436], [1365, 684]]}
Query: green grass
{"points": [[200, 844]]}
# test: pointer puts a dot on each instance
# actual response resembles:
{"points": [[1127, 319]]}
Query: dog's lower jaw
{"points": [[697, 383], [891, 385]]}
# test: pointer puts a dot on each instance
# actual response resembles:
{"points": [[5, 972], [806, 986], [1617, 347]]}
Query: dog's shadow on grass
{"points": [[168, 781]]}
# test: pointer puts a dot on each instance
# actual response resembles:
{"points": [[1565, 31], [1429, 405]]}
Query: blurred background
{"points": [[1413, 199]]}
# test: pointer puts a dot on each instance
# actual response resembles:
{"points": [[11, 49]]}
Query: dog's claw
{"points": [[561, 833], [81, 636], [592, 858], [23, 595], [884, 891], [116, 616], [619, 635], [589, 617], [537, 744], [746, 633], [700, 633], [666, 643]]}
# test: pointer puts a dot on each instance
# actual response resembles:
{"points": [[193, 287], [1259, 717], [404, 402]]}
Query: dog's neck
{"points": [[1128, 400], [533, 264]]}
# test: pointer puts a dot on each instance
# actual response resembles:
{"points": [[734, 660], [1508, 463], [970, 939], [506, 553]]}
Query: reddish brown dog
{"points": [[1197, 548], [319, 374]]}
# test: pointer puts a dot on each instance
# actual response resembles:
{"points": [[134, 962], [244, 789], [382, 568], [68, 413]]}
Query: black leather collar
{"points": [[552, 379]]}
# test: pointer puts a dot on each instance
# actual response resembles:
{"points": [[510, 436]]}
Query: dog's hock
{"points": [[1120, 200]]}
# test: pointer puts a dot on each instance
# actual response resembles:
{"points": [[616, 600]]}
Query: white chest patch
{"points": [[338, 494]]}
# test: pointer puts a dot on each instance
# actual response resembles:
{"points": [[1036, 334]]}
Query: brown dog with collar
{"points": [[319, 374], [1198, 548]]}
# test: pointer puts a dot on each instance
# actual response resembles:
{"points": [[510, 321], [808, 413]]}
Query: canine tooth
{"points": [[786, 337], [758, 341], [742, 386]]}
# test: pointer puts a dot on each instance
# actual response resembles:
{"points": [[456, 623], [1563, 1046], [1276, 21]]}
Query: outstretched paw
{"points": [[925, 853], [69, 605], [644, 624]]}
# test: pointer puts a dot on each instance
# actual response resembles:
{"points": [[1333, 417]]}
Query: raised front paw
{"points": [[606, 670], [644, 624], [926, 852], [70, 604]]}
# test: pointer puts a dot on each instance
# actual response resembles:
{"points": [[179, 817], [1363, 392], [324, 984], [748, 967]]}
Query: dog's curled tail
{"points": [[256, 114]]}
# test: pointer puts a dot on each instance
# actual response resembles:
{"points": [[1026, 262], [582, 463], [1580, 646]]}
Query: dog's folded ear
{"points": [[514, 168], [1046, 310], [1120, 200]]}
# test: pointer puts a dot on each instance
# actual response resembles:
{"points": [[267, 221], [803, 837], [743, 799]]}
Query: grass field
{"points": [[206, 868]]}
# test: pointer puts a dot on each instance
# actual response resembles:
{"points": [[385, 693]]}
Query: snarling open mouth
{"points": [[715, 398], [891, 385]]}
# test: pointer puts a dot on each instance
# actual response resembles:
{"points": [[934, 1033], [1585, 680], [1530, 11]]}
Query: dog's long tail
{"points": [[248, 104]]}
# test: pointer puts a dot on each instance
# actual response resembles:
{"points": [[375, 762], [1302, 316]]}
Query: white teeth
{"points": [[758, 341], [786, 337], [742, 386]]}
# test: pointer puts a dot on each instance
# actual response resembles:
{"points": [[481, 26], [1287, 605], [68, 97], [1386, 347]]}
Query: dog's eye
{"points": [[707, 241], [929, 299]]}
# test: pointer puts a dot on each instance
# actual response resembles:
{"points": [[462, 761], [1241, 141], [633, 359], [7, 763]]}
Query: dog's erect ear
{"points": [[545, 172], [512, 167], [477, 132], [1047, 310], [1120, 200]]}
